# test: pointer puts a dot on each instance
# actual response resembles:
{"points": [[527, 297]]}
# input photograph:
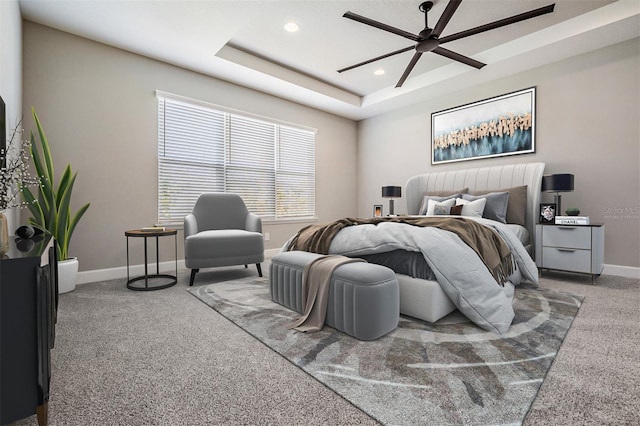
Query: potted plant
{"points": [[51, 210]]}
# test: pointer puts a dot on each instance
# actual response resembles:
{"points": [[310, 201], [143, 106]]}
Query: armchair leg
{"points": [[193, 276], [259, 269]]}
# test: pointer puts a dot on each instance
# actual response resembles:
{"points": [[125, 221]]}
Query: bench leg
{"points": [[259, 269], [193, 276]]}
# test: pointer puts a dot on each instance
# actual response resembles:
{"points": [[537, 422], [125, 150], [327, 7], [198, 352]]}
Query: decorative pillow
{"points": [[442, 207], [496, 207], [456, 210], [471, 208], [517, 206], [426, 198]]}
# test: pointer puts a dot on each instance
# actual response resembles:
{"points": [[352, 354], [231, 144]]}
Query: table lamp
{"points": [[557, 183], [391, 192]]}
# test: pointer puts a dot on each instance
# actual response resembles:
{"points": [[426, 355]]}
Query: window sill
{"points": [[267, 221]]}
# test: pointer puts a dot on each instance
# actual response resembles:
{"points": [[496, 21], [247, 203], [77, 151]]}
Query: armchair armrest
{"points": [[190, 225], [253, 223]]}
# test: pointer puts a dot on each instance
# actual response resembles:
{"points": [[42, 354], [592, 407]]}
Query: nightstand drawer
{"points": [[567, 259], [567, 236]]}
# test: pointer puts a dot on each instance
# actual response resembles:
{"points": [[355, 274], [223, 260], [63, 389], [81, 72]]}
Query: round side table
{"points": [[148, 279]]}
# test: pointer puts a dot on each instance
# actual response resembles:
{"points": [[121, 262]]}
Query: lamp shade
{"points": [[391, 191], [557, 183]]}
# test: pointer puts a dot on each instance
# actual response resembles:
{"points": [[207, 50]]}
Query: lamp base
{"points": [[558, 200], [391, 213]]}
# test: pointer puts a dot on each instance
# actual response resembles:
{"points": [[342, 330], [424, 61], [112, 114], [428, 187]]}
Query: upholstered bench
{"points": [[363, 301]]}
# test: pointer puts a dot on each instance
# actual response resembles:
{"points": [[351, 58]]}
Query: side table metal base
{"points": [[146, 281]]}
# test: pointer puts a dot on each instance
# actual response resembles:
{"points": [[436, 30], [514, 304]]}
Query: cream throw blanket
{"points": [[316, 277]]}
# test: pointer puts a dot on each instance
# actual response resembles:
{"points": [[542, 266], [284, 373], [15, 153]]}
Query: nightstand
{"points": [[571, 248]]}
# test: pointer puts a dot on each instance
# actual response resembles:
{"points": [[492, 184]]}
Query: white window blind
{"points": [[201, 149]]}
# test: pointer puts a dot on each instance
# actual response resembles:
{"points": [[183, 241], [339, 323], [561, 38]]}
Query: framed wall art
{"points": [[377, 210], [547, 213], [494, 127]]}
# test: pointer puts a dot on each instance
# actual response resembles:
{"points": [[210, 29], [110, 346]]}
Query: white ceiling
{"points": [[244, 42]]}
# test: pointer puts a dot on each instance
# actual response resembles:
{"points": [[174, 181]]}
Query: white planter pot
{"points": [[67, 275]]}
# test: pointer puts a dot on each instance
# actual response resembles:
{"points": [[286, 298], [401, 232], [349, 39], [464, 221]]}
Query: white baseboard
{"points": [[85, 277], [622, 271]]}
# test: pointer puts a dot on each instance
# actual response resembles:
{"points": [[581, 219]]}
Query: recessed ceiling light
{"points": [[379, 72], [291, 27]]}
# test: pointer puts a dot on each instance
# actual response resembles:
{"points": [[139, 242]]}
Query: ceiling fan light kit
{"points": [[428, 40]]}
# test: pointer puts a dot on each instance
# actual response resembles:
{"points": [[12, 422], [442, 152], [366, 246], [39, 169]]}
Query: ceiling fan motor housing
{"points": [[427, 45]]}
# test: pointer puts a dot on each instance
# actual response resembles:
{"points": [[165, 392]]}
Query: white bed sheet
{"points": [[520, 231]]}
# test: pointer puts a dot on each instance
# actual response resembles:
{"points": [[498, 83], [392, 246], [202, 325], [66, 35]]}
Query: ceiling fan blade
{"points": [[380, 25], [409, 68], [497, 24], [406, 49], [445, 17], [458, 57]]}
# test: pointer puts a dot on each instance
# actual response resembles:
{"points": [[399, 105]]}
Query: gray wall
{"points": [[587, 124], [11, 72], [99, 109]]}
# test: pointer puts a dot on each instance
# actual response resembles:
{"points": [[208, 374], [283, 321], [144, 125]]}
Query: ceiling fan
{"points": [[428, 40]]}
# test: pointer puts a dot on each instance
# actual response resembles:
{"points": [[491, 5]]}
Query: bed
{"points": [[456, 276]]}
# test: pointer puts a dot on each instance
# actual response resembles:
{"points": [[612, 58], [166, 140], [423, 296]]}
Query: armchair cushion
{"points": [[223, 247]]}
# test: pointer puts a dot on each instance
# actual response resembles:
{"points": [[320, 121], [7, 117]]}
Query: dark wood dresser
{"points": [[28, 309]]}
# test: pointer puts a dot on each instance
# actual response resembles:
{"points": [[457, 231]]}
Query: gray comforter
{"points": [[459, 271]]}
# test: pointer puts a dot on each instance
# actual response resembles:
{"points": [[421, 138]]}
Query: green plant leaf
{"points": [[34, 207], [52, 211], [46, 190], [62, 185], [62, 217], [74, 221], [46, 152]]}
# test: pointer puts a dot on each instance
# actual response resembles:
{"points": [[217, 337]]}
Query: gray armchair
{"points": [[222, 232]]}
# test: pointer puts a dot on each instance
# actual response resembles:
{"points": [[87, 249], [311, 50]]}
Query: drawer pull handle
{"points": [[567, 228], [567, 250]]}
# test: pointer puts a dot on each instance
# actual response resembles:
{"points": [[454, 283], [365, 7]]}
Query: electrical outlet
{"points": [[266, 236]]}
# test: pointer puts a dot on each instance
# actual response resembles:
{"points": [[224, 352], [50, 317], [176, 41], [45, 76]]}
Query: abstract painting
{"points": [[498, 126]]}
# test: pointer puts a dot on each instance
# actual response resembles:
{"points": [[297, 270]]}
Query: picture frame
{"points": [[498, 126], [547, 213], [377, 210]]}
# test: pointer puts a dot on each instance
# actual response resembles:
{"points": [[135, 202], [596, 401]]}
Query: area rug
{"points": [[448, 373]]}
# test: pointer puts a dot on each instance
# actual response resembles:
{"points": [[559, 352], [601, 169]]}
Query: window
{"points": [[203, 148]]}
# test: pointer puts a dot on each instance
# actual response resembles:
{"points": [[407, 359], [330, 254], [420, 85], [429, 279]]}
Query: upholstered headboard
{"points": [[482, 178]]}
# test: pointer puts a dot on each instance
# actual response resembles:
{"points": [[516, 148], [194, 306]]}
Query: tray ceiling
{"points": [[244, 42]]}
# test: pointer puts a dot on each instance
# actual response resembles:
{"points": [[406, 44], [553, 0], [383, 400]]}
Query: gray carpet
{"points": [[594, 379], [448, 373], [165, 358]]}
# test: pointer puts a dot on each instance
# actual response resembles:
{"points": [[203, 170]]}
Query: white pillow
{"points": [[471, 208], [446, 203]]}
